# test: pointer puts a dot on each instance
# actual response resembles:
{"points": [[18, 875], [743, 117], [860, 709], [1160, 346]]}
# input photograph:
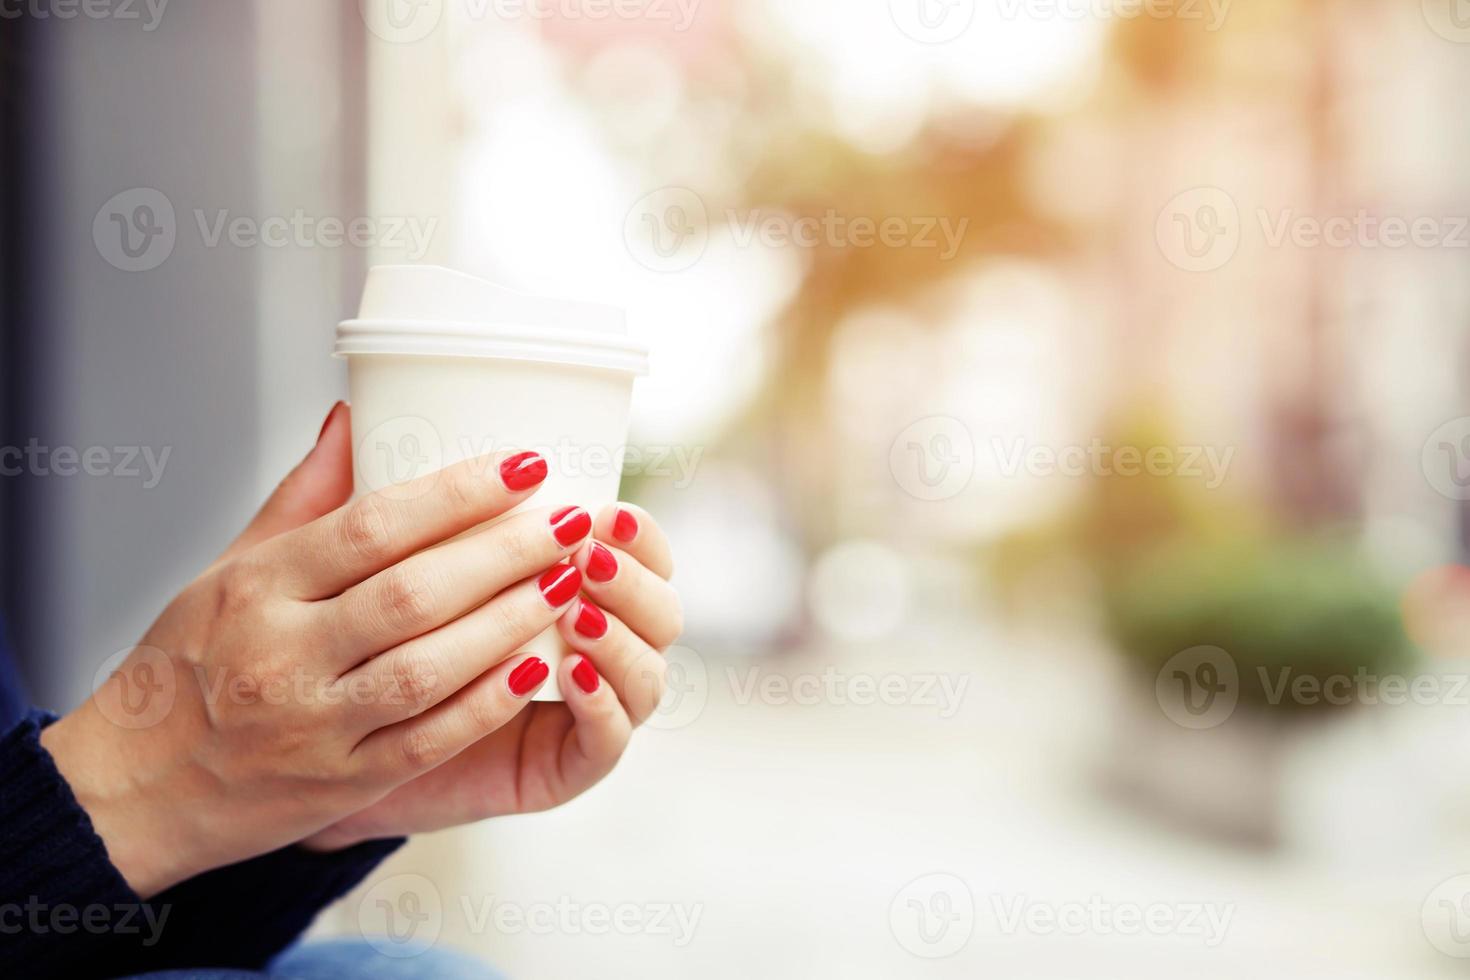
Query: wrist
{"points": [[136, 819]]}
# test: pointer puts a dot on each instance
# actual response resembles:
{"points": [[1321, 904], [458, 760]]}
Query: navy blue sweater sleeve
{"points": [[66, 911]]}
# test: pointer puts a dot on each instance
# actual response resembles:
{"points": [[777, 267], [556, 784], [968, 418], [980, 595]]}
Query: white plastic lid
{"points": [[428, 309]]}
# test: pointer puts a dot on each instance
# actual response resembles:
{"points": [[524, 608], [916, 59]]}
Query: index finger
{"points": [[366, 535]]}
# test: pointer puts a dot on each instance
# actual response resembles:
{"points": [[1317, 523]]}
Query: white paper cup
{"points": [[444, 367]]}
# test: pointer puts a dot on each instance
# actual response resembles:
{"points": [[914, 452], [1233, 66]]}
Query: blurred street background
{"points": [[1060, 409]]}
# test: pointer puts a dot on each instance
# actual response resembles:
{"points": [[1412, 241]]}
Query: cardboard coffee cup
{"points": [[443, 367]]}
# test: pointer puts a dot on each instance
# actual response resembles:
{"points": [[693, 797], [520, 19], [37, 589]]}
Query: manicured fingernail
{"points": [[559, 584], [528, 676], [586, 675], [625, 525], [591, 623], [522, 471], [601, 565], [570, 525]]}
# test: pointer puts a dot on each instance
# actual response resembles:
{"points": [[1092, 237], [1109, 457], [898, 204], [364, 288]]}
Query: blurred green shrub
{"points": [[1281, 608], [1176, 566]]}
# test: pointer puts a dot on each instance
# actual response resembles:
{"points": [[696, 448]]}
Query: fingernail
{"points": [[522, 471], [591, 623], [601, 565], [570, 525], [327, 422], [559, 584], [528, 676], [586, 675], [625, 525]]}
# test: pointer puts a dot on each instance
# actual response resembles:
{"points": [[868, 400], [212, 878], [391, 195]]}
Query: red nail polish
{"points": [[586, 675], [559, 584], [522, 471], [601, 565], [528, 676], [570, 525], [625, 525], [591, 623]]}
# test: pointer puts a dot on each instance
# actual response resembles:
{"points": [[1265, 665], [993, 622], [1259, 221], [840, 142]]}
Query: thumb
{"points": [[318, 485]]}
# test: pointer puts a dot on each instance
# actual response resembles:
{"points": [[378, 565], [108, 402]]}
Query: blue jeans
{"points": [[347, 959]]}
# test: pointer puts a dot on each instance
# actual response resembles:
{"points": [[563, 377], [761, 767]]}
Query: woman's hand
{"points": [[311, 671], [551, 752]]}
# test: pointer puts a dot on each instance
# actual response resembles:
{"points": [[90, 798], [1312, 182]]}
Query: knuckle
{"points": [[268, 680], [618, 744], [661, 619], [415, 681], [660, 672], [484, 713], [365, 533], [646, 687], [293, 742], [465, 489], [407, 596], [512, 619], [420, 748], [512, 544], [360, 771], [240, 587], [670, 628], [606, 710]]}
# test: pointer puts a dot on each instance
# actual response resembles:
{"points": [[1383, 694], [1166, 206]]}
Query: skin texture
{"points": [[551, 752], [341, 673]]}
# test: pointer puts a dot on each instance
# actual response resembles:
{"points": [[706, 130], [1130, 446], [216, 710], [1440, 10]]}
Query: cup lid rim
{"points": [[508, 340]]}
